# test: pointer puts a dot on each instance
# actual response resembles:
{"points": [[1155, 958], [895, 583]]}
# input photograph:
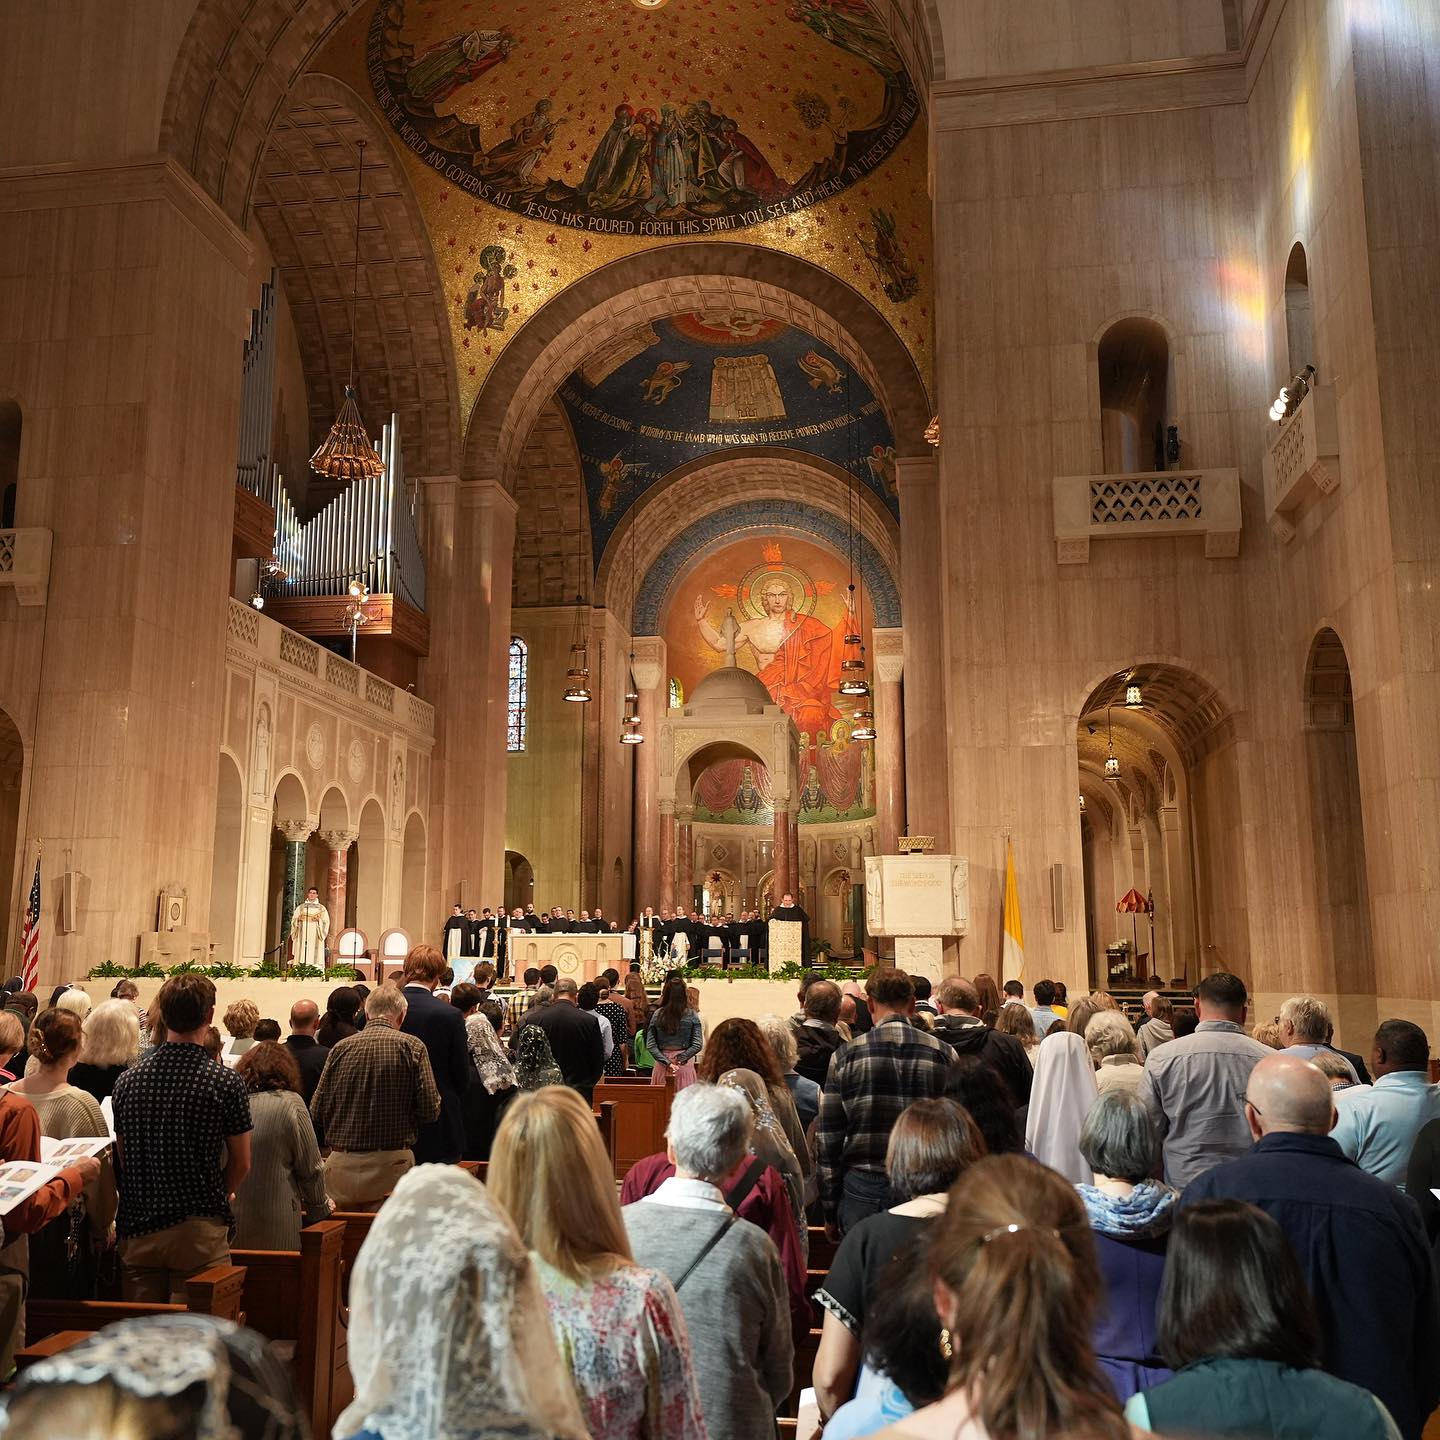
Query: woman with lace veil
{"points": [[535, 1065], [769, 1141], [618, 1324], [449, 1341], [162, 1377]]}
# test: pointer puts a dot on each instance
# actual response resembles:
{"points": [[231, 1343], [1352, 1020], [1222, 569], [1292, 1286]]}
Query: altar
{"points": [[578, 957]]}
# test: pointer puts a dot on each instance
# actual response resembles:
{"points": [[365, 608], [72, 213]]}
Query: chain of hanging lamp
{"points": [[855, 680], [631, 732], [346, 452]]}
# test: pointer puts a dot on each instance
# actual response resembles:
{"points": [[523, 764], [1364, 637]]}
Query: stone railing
{"points": [[25, 564], [1304, 451], [1150, 505], [301, 661]]}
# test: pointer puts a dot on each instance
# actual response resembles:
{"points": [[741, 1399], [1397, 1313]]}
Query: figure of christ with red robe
{"points": [[805, 670]]}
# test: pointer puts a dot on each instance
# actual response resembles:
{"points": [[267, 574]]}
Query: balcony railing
{"points": [[1149, 505], [1305, 451], [25, 564]]}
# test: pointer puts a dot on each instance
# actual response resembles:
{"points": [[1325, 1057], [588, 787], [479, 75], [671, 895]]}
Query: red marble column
{"points": [[792, 864], [781, 856], [889, 742], [336, 876], [685, 880], [667, 858]]}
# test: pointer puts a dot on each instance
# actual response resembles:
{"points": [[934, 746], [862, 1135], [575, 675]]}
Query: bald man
{"points": [[1359, 1241], [305, 1050]]}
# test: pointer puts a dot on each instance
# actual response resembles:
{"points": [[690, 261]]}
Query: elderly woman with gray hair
{"points": [[1130, 1213], [726, 1275], [1110, 1038]]}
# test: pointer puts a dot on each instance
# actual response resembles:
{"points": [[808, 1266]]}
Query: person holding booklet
{"points": [[64, 1256], [20, 1141]]}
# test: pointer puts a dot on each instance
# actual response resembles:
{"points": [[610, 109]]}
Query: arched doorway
{"points": [[292, 818], [1337, 832], [721, 893], [519, 881], [225, 865], [12, 772], [412, 880], [1157, 782]]}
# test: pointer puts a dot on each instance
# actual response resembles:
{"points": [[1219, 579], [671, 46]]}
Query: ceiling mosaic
{"points": [[671, 391], [544, 141]]}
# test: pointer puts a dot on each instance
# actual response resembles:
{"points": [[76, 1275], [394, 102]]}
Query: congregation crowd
{"points": [[1045, 1220]]}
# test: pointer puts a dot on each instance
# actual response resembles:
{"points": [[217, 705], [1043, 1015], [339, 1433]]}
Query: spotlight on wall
{"points": [[1287, 402]]}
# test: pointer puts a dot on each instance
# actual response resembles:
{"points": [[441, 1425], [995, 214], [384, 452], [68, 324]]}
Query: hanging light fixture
{"points": [[1112, 764], [1082, 802], [630, 730], [1133, 698], [346, 452], [864, 726], [577, 677]]}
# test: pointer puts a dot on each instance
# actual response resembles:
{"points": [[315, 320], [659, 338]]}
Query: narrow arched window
{"points": [[515, 700], [9, 462], [677, 693], [1299, 321]]}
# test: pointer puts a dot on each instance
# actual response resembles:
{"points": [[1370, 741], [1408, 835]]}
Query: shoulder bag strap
{"points": [[710, 1244], [738, 1193]]}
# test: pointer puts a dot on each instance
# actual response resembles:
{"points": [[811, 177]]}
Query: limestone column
{"points": [[667, 855], [1182, 909], [889, 742], [338, 842], [296, 833], [650, 679], [255, 882], [925, 649], [685, 880], [780, 852], [117, 680], [469, 551]]}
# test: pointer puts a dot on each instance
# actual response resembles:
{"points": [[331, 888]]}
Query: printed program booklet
{"points": [[20, 1179]]}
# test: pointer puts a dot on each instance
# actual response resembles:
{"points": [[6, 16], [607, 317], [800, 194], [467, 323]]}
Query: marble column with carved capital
{"points": [[338, 842], [888, 649], [780, 853], [685, 860], [667, 856], [296, 833]]}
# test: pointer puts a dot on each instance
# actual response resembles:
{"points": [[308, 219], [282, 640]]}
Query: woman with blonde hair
{"points": [[76, 1001], [109, 1045], [611, 1317], [1016, 1284], [1110, 1038], [240, 1020]]}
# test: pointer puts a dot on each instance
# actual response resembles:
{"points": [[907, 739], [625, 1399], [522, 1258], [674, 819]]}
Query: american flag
{"points": [[30, 936]]}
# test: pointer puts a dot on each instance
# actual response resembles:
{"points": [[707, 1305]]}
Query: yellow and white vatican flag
{"points": [[1012, 960]]}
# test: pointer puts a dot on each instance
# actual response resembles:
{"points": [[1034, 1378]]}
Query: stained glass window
{"points": [[515, 708]]}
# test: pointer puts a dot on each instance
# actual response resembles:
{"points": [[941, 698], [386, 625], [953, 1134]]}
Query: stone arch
{"points": [[414, 862], [226, 866], [711, 496], [370, 877], [304, 193], [665, 281]]}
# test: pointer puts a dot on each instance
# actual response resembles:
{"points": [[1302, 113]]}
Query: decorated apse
{"points": [[669, 392], [545, 140], [788, 597]]}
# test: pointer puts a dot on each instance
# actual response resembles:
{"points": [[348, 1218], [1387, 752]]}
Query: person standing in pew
{"points": [[182, 1149], [20, 1140], [376, 1090], [441, 1028]]}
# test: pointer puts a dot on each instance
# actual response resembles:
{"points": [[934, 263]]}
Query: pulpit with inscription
{"points": [[785, 943], [919, 901]]}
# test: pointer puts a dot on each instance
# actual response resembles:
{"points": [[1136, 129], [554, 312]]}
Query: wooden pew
{"points": [[605, 1119], [822, 1248], [642, 1111], [216, 1291], [293, 1296], [805, 1353], [54, 1344]]}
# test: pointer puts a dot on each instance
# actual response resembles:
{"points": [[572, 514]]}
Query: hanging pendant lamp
{"points": [[346, 452]]}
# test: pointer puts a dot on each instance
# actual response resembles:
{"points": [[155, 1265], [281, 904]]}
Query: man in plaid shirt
{"points": [[870, 1082], [523, 1001]]}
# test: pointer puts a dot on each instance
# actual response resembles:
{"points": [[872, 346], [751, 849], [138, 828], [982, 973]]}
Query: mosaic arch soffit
{"points": [[304, 204], [694, 387], [729, 484], [232, 75], [616, 299], [758, 517], [811, 145]]}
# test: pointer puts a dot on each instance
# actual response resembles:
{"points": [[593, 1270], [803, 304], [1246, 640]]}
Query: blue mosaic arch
{"points": [[770, 517]]}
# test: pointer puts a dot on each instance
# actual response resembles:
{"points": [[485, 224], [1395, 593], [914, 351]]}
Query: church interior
{"points": [[663, 452]]}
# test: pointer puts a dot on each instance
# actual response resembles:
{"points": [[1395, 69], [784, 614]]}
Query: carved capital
{"points": [[296, 831], [339, 839], [888, 647]]}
